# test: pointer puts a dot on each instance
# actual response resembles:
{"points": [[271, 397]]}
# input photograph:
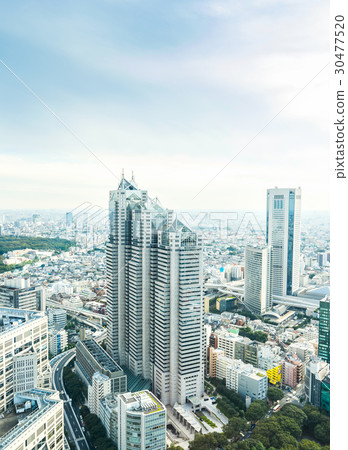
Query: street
{"points": [[71, 422]]}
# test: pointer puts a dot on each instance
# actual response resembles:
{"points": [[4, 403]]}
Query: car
{"points": [[206, 399], [213, 402]]}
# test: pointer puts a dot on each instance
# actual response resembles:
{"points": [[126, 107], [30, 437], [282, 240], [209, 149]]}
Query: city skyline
{"points": [[176, 110]]}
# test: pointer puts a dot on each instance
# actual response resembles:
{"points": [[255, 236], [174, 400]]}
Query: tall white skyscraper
{"points": [[284, 235], [258, 279], [154, 294]]}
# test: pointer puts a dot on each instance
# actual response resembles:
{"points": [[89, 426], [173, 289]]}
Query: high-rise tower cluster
{"points": [[154, 295]]}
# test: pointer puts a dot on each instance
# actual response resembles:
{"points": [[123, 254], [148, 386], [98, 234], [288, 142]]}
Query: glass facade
{"points": [[290, 242], [324, 330]]}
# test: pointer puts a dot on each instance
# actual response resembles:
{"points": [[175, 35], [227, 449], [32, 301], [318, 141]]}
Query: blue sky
{"points": [[172, 90]]}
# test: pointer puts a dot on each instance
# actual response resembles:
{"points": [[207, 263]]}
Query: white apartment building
{"points": [[283, 234], [222, 363], [58, 341], [304, 350], [100, 388], [21, 333], [227, 342], [154, 295], [41, 424], [57, 318], [253, 382], [268, 357], [242, 378], [258, 279]]}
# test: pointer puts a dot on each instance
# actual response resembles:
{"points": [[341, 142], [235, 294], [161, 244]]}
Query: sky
{"points": [[171, 90]]}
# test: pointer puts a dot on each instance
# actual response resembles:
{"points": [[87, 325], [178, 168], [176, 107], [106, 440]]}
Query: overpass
{"points": [[287, 300], [71, 310]]}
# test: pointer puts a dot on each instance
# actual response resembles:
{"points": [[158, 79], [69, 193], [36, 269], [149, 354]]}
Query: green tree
{"points": [[174, 447], [306, 444], [234, 427], [248, 444], [290, 425], [270, 433], [322, 432], [208, 441], [256, 410], [274, 394], [295, 412]]}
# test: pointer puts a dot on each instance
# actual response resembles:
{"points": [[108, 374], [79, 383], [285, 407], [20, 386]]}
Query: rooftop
{"points": [[44, 399], [143, 401], [11, 318], [101, 356]]}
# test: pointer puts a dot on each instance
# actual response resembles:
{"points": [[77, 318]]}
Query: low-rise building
{"points": [[92, 358]]}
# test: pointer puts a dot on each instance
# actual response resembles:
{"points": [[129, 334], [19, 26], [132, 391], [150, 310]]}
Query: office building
{"points": [[17, 293], [57, 318], [108, 414], [324, 330], [37, 423], [68, 219], [100, 388], [40, 298], [316, 371], [92, 358], [24, 372], [58, 341], [258, 279], [283, 233], [141, 422], [36, 218], [22, 333], [325, 393], [154, 295]]}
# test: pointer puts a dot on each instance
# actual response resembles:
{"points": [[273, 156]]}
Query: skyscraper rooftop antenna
{"points": [[133, 175], [122, 173]]}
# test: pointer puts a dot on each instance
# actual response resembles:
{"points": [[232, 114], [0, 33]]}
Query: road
{"points": [[294, 396], [71, 422]]}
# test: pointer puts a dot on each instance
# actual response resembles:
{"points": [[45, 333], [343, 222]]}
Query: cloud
{"points": [[173, 93]]}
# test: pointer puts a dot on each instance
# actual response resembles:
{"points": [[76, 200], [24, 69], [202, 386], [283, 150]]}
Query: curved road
{"points": [[71, 422]]}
